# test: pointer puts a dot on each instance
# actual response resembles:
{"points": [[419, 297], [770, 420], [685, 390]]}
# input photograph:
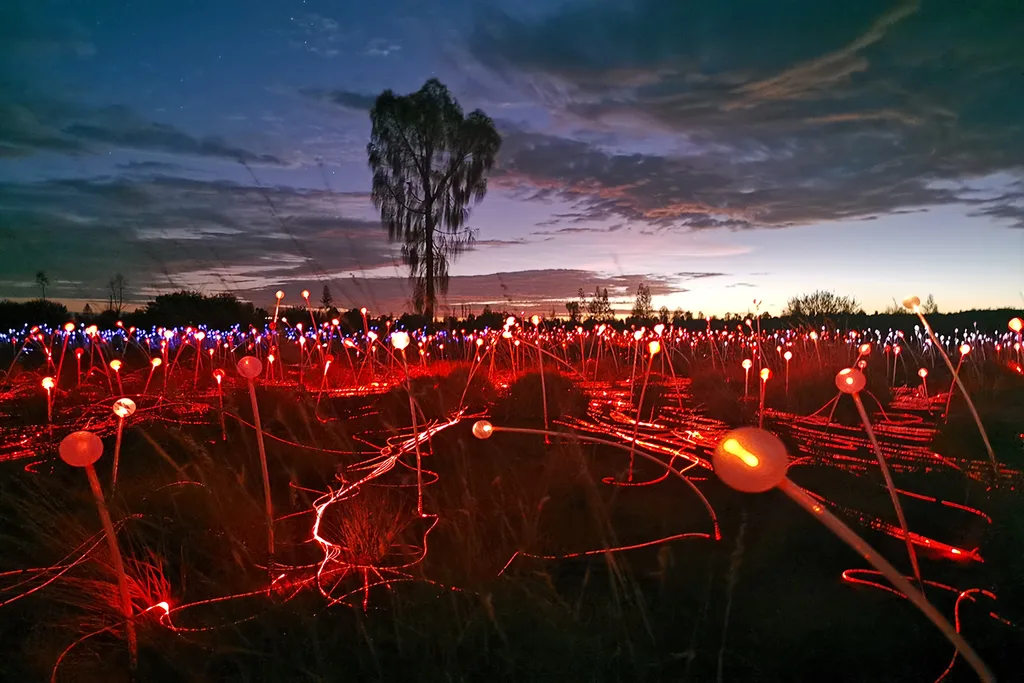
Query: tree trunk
{"points": [[428, 299]]}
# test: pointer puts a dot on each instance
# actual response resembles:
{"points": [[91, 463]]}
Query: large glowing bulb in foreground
{"points": [[249, 367], [912, 303], [81, 449], [750, 460], [850, 381]]}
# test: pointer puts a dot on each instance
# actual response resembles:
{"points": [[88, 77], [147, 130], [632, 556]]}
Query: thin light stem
{"points": [[890, 486], [115, 556], [415, 438], [266, 475], [817, 510], [963, 390]]}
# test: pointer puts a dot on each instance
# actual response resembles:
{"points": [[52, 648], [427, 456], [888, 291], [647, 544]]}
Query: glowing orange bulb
{"points": [[747, 364], [788, 355], [733, 447], [638, 335], [363, 310], [850, 381], [48, 383], [654, 347], [335, 322], [922, 373], [115, 365], [896, 350], [279, 294], [658, 329], [156, 362], [218, 375], [965, 349], [535, 320], [92, 330], [200, 336], [69, 327], [814, 336], [864, 349], [305, 294], [1016, 324], [270, 358], [765, 374]]}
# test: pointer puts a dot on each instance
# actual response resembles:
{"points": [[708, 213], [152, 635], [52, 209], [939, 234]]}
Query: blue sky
{"points": [[721, 152]]}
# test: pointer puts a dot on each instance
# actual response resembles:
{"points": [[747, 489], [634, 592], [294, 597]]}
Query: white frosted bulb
{"points": [[482, 429]]}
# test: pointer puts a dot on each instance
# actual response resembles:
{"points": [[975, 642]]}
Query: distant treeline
{"points": [[222, 311]]}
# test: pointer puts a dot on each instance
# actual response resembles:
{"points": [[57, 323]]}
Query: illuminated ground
{"points": [[535, 558]]}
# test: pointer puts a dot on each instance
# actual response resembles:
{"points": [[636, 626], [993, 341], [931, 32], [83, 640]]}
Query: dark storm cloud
{"points": [[29, 125], [776, 115], [343, 98], [166, 232]]}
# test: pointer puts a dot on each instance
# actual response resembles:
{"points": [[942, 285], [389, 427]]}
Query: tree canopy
{"points": [[429, 163]]}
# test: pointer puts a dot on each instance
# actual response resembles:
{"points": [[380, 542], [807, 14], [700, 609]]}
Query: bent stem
{"points": [[890, 486], [266, 475], [963, 390], [845, 533], [115, 555], [415, 438], [117, 452]]}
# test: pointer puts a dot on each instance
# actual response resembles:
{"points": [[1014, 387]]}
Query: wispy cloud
{"points": [[849, 114], [38, 125]]}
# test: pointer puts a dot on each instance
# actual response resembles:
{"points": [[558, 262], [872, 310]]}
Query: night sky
{"points": [[720, 151]]}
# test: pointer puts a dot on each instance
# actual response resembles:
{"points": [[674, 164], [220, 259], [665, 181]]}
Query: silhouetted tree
{"points": [[429, 163], [573, 309], [192, 308], [930, 307], [599, 307], [116, 286], [327, 299], [663, 314], [42, 281], [821, 304], [35, 312], [642, 308]]}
